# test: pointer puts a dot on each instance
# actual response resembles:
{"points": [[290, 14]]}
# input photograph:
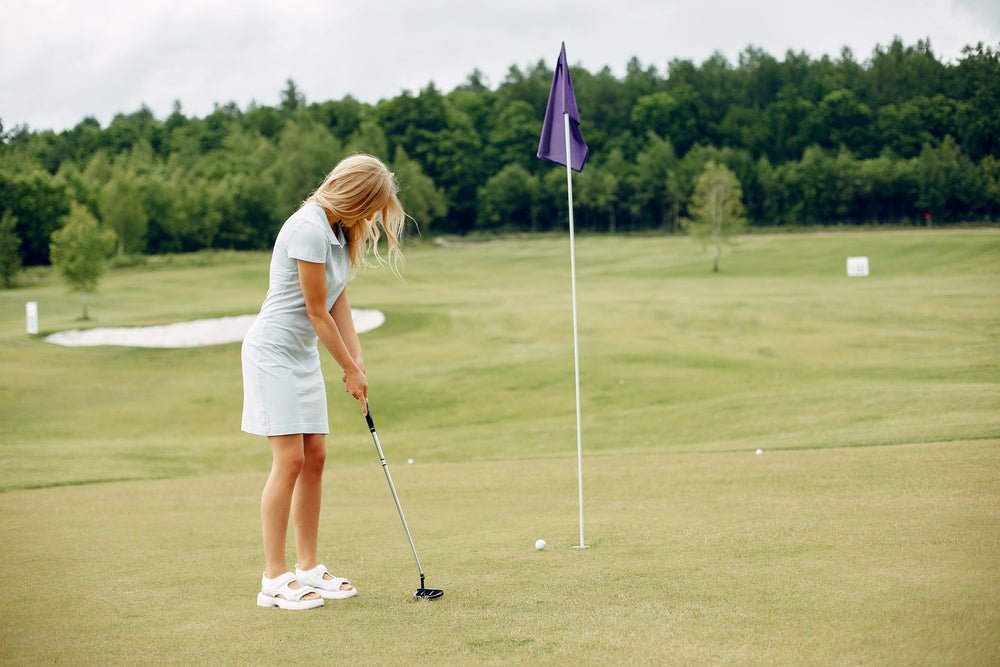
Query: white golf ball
{"points": [[759, 451], [410, 461], [539, 544]]}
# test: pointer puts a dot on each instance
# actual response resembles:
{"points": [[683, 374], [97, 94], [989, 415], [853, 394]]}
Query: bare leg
{"points": [[306, 502], [275, 502], [307, 499]]}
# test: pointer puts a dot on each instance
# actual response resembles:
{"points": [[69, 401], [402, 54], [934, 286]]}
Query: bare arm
{"points": [[341, 313], [312, 280]]}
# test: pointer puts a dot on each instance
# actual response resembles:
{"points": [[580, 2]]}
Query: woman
{"points": [[284, 397]]}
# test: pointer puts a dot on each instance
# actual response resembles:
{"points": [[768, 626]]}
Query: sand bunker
{"points": [[187, 334]]}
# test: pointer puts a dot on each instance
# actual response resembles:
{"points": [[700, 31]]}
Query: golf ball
{"points": [[410, 461], [759, 451], [539, 544]]}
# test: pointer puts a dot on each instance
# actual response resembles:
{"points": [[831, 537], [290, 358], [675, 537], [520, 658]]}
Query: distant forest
{"points": [[898, 138]]}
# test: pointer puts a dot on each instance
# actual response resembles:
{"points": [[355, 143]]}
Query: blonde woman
{"points": [[284, 396]]}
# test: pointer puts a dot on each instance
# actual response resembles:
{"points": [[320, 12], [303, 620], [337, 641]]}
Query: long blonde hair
{"points": [[363, 189]]}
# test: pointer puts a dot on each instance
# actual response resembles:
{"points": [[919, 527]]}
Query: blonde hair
{"points": [[362, 189]]}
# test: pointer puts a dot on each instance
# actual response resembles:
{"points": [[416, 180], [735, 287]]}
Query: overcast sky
{"points": [[62, 60]]}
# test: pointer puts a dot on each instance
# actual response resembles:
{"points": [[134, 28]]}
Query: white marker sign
{"points": [[857, 267], [31, 315]]}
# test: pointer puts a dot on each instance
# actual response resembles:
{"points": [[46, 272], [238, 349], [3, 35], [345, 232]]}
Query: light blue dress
{"points": [[283, 388]]}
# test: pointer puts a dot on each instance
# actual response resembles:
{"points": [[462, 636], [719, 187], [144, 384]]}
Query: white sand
{"points": [[187, 334]]}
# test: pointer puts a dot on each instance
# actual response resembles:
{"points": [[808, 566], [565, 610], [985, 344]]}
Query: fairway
{"points": [[866, 533]]}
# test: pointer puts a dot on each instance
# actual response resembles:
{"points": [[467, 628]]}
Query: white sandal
{"points": [[277, 593], [328, 588]]}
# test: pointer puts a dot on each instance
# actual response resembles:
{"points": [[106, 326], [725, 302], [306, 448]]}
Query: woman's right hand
{"points": [[356, 384]]}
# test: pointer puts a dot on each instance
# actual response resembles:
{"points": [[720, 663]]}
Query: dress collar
{"points": [[334, 233]]}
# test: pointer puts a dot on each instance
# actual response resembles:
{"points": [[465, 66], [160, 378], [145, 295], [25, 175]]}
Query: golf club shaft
{"points": [[392, 487]]}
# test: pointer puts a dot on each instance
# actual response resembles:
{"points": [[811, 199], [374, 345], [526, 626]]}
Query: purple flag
{"points": [[552, 145]]}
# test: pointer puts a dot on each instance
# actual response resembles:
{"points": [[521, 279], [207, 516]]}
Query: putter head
{"points": [[428, 593]]}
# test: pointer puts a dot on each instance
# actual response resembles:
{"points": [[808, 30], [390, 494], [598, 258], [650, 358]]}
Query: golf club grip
{"points": [[368, 418]]}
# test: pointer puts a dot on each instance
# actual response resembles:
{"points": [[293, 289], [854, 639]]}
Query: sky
{"points": [[64, 60]]}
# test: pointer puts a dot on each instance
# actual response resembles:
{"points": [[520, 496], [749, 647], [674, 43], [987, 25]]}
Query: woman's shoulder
{"points": [[308, 218], [310, 213]]}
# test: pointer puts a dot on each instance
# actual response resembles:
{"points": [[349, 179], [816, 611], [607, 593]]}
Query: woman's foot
{"points": [[329, 586], [285, 592]]}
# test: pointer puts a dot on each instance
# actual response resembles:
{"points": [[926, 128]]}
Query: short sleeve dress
{"points": [[283, 388]]}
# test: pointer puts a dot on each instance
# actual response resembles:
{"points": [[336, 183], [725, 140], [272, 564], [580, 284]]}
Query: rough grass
{"points": [[866, 533]]}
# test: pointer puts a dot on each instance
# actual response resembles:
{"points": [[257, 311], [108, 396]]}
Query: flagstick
{"points": [[576, 341]]}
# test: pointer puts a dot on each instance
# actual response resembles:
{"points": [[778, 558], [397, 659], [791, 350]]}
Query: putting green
{"points": [[882, 555]]}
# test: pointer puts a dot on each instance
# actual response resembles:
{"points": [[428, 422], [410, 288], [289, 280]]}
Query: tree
{"points": [[841, 120], [80, 250], [307, 151], [596, 193], [291, 97], [507, 200], [716, 208], [121, 210], [514, 139], [421, 199], [979, 71], [947, 181], [10, 249], [369, 138], [38, 201], [652, 113], [653, 201]]}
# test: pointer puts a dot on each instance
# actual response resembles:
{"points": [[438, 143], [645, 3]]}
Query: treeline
{"points": [[901, 137]]}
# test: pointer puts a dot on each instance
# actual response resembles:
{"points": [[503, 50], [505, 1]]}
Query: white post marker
{"points": [[857, 267], [31, 316], [576, 337]]}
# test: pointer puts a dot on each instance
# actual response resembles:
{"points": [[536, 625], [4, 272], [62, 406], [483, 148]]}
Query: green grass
{"points": [[867, 533]]}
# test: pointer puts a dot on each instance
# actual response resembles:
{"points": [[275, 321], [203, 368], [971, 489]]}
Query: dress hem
{"points": [[289, 429]]}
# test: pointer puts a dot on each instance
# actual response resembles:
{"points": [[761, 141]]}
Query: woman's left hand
{"points": [[361, 364], [356, 384]]}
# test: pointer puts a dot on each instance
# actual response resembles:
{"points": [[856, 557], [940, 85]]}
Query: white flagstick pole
{"points": [[576, 340]]}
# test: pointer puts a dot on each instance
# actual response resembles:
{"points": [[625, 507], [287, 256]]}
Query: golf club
{"points": [[421, 593]]}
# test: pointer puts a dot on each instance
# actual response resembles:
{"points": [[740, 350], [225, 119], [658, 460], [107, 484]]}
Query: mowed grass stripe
{"points": [[475, 360]]}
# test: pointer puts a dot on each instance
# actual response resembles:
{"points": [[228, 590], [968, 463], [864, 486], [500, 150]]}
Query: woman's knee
{"points": [[287, 458], [314, 456], [288, 466]]}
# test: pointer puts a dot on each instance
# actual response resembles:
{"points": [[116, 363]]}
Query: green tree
{"points": [[444, 140], [979, 75], [39, 202], [825, 185], [549, 203], [369, 138], [121, 210], [595, 192], [841, 120], [947, 182], [652, 113], [79, 252], [10, 249], [507, 200], [716, 209], [514, 139], [651, 202], [307, 151], [98, 171], [291, 97], [421, 199], [784, 128]]}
